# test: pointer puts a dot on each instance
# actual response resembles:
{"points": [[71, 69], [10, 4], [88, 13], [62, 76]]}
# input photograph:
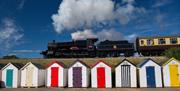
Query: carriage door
{"points": [[101, 77], [174, 77], [54, 76], [150, 74], [77, 77], [125, 76], [9, 77], [29, 76]]}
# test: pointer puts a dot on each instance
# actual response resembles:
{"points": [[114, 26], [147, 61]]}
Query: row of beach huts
{"points": [[146, 74]]}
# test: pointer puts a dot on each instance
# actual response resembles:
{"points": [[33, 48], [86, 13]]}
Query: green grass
{"points": [[89, 61]]}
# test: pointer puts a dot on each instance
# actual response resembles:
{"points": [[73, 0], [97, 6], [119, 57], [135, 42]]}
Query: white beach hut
{"points": [[171, 73], [11, 75], [56, 74], [101, 76], [125, 74], [150, 74], [78, 75], [32, 75]]}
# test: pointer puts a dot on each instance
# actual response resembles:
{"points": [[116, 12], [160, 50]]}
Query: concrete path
{"points": [[90, 89]]}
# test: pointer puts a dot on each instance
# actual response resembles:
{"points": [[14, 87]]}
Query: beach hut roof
{"points": [[165, 63], [17, 65], [35, 64], [59, 63], [144, 62], [80, 62], [100, 62], [125, 60]]}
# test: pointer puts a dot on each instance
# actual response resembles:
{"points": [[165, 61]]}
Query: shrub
{"points": [[172, 52]]}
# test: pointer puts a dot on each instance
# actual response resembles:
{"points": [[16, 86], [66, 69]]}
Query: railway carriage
{"points": [[155, 46]]}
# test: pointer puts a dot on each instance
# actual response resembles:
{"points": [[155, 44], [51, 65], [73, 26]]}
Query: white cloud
{"points": [[160, 20], [21, 4], [26, 51], [160, 3], [77, 14], [9, 34]]}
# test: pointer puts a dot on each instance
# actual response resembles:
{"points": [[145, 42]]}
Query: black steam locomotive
{"points": [[90, 48]]}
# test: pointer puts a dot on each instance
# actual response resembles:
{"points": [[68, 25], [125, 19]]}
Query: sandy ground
{"points": [[91, 89]]}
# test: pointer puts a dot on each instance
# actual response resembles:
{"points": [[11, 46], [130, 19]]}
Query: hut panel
{"points": [[85, 75], [15, 77], [29, 79], [132, 74], [41, 77], [61, 75], [167, 77], [143, 74], [108, 75]]}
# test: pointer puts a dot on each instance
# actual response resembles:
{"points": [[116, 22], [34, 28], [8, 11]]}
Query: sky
{"points": [[26, 26]]}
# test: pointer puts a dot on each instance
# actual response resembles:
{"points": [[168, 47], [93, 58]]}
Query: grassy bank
{"points": [[88, 61]]}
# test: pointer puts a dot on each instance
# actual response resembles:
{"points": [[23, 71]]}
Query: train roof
{"points": [[158, 36], [106, 42]]}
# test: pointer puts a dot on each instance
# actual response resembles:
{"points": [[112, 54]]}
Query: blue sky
{"points": [[26, 26]]}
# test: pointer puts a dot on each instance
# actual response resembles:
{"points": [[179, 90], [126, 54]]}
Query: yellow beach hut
{"points": [[171, 73]]}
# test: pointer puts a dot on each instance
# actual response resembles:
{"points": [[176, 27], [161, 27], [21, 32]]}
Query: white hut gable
{"points": [[9, 66], [102, 64], [78, 64]]}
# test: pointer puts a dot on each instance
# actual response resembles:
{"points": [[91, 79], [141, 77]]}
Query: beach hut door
{"points": [[126, 76], [54, 76], [150, 73], [29, 76], [101, 77], [174, 77], [77, 77], [9, 78]]}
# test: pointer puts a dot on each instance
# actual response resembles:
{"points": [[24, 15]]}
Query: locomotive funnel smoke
{"points": [[110, 34]]}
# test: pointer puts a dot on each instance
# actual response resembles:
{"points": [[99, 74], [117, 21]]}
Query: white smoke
{"points": [[79, 35], [105, 34]]}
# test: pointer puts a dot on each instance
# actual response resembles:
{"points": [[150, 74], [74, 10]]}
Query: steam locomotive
{"points": [[91, 47]]}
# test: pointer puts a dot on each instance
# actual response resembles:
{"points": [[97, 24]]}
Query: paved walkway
{"points": [[91, 89]]}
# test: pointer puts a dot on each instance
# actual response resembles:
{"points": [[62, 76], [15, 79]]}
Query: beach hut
{"points": [[78, 75], [171, 73], [32, 75], [11, 75], [101, 75], [149, 74], [1, 66], [125, 74], [56, 74]]}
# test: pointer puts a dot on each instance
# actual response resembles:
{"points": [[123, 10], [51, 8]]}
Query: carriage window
{"points": [[142, 42], [150, 42], [173, 40], [162, 41]]}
